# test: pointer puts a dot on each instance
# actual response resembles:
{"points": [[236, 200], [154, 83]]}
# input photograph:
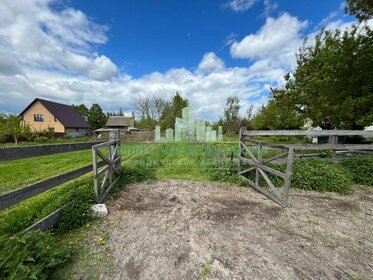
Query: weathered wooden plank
{"points": [[105, 144], [265, 168], [275, 157], [263, 191], [246, 170], [310, 133], [270, 184], [239, 151], [47, 222], [248, 151], [14, 153], [331, 147], [14, 197], [289, 172], [268, 145]]}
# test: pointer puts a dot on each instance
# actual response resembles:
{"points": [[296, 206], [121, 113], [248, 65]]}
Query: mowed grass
{"points": [[19, 173]]}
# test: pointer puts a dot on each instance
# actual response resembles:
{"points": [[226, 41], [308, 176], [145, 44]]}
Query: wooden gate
{"points": [[260, 166], [111, 168], [259, 171]]}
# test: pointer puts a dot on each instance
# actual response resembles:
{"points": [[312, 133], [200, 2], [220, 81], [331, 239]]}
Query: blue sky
{"points": [[115, 52], [147, 36]]}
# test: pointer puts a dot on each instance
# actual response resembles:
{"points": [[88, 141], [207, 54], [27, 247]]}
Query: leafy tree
{"points": [[2, 127], [15, 127], [361, 9], [96, 117], [3, 117], [82, 110], [232, 108], [232, 121], [172, 111], [333, 82], [276, 115]]}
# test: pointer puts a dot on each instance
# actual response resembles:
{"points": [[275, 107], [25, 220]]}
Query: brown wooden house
{"points": [[120, 122], [63, 119]]}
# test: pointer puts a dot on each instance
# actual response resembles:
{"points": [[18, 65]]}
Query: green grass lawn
{"points": [[19, 173]]}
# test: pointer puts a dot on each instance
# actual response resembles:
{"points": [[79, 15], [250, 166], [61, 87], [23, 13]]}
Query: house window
{"points": [[38, 117], [55, 119]]}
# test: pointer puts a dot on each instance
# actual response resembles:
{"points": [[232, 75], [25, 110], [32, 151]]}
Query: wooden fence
{"points": [[21, 152], [14, 197], [250, 158], [111, 166]]}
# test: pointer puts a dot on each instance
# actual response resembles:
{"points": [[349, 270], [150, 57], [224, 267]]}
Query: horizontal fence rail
{"points": [[14, 153], [14, 197], [47, 222], [311, 133]]}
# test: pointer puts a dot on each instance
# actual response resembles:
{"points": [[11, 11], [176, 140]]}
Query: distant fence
{"points": [[14, 153], [14, 197], [253, 168]]}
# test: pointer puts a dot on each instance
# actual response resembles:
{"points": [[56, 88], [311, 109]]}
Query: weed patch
{"points": [[361, 168]]}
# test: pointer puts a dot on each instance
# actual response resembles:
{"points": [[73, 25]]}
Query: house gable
{"points": [[35, 109]]}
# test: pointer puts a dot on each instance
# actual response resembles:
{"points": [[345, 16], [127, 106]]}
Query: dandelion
{"points": [[101, 240]]}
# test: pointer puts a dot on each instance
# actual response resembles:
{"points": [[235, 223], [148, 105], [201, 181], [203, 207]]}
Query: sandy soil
{"points": [[188, 230]]}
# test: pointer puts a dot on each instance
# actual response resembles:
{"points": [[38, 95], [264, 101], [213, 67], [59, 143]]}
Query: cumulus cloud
{"points": [[276, 36], [42, 37], [210, 62]]}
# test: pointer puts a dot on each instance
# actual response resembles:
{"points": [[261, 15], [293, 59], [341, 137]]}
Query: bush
{"points": [[224, 173], [318, 175], [41, 139], [33, 255], [361, 168]]}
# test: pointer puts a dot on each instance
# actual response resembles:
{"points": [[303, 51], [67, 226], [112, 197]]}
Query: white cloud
{"points": [[277, 36], [240, 5], [210, 62], [42, 37], [269, 7]]}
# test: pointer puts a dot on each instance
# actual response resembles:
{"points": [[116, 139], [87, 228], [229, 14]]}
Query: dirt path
{"points": [[188, 230]]}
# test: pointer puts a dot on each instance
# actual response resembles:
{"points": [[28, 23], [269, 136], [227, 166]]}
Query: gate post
{"points": [[240, 139], [289, 172], [115, 149]]}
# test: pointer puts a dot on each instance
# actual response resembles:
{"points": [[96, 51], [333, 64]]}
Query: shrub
{"points": [[361, 168], [33, 255], [226, 173], [41, 139], [318, 175]]}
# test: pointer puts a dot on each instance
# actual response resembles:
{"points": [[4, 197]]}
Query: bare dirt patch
{"points": [[189, 230]]}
